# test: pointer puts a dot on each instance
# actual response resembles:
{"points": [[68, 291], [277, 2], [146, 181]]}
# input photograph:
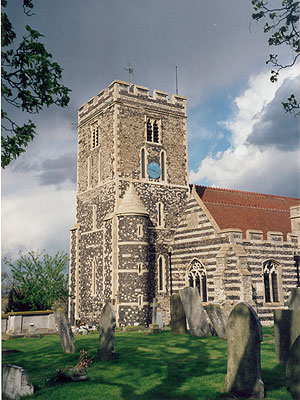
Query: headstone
{"points": [[244, 334], [159, 320], [154, 328], [286, 330], [218, 318], [15, 382], [65, 331], [107, 333], [197, 318], [293, 370], [178, 320], [294, 299]]}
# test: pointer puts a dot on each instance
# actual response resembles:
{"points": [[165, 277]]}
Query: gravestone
{"points": [[244, 334], [65, 331], [15, 382], [178, 320], [218, 318], [196, 316], [286, 330], [159, 320], [294, 299], [154, 327], [107, 333], [293, 370]]}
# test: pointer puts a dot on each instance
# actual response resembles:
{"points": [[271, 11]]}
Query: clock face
{"points": [[153, 170]]}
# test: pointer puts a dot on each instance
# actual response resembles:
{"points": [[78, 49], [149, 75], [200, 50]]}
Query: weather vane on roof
{"points": [[130, 71]]}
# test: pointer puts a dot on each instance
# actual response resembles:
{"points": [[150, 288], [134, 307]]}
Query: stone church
{"points": [[142, 231]]}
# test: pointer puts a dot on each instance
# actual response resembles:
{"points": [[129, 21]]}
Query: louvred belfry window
{"points": [[153, 130]]}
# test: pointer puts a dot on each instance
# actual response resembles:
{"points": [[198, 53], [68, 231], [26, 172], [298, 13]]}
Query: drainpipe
{"points": [[170, 268], [297, 261]]}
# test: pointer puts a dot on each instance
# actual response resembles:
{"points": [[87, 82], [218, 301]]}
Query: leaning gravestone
{"points": [[65, 331], [15, 382], [286, 331], [196, 316], [218, 318], [244, 334], [293, 370], [178, 320], [294, 299], [107, 333]]}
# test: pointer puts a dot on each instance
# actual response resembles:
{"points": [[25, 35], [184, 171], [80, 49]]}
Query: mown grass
{"points": [[147, 367]]}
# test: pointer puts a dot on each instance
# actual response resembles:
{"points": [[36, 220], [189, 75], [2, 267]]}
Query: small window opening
{"points": [[155, 132], [143, 162], [149, 130]]}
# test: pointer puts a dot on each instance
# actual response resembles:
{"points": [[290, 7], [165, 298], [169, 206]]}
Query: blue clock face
{"points": [[153, 170]]}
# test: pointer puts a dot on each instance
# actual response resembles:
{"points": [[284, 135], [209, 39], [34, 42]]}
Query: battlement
{"points": [[118, 89], [252, 235]]}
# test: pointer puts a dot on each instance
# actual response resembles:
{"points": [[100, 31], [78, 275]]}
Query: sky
{"points": [[239, 136]]}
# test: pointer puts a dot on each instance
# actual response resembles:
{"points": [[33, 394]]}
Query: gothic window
{"points": [[94, 277], [95, 137], [99, 168], [163, 165], [143, 163], [197, 278], [160, 214], [270, 269], [89, 172], [94, 217], [153, 130], [161, 274]]}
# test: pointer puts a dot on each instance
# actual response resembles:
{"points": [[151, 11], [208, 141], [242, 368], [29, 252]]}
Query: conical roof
{"points": [[131, 203]]}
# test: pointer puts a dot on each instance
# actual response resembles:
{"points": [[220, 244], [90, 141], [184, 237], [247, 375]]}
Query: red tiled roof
{"points": [[247, 210]]}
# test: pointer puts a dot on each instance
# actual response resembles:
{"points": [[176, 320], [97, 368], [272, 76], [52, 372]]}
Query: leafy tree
{"points": [[30, 80], [39, 280], [282, 24]]}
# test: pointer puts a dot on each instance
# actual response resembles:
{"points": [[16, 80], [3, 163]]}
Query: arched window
{"points": [[163, 165], [99, 168], [149, 130], [155, 132], [94, 221], [160, 214], [270, 270], [94, 290], [161, 274], [89, 171], [143, 163], [197, 278]]}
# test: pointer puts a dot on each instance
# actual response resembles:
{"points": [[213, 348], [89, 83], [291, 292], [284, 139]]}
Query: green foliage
{"points": [[39, 280], [30, 80], [283, 26], [147, 367]]}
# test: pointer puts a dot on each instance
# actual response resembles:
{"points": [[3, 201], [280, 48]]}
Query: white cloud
{"points": [[247, 166], [37, 219]]}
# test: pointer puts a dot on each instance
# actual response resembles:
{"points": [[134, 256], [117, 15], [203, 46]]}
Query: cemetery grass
{"points": [[147, 367]]}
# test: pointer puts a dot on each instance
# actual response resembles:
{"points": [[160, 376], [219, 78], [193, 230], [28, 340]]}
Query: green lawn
{"points": [[147, 367]]}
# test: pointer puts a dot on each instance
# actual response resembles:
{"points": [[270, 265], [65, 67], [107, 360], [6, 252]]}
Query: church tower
{"points": [[132, 186]]}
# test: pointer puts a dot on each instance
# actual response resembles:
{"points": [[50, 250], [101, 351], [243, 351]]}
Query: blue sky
{"points": [[238, 135]]}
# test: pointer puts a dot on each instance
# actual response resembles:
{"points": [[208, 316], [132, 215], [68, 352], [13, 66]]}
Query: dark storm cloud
{"points": [[54, 171], [276, 127], [59, 170]]}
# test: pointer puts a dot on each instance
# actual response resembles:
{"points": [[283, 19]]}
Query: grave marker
{"points": [[65, 331], [293, 370], [294, 299], [107, 333], [178, 319], [196, 316], [244, 334]]}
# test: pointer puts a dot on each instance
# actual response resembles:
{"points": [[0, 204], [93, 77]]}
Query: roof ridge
{"points": [[244, 205], [246, 192]]}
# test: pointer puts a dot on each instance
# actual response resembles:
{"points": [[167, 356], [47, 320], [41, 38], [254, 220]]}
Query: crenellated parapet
{"points": [[119, 90]]}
